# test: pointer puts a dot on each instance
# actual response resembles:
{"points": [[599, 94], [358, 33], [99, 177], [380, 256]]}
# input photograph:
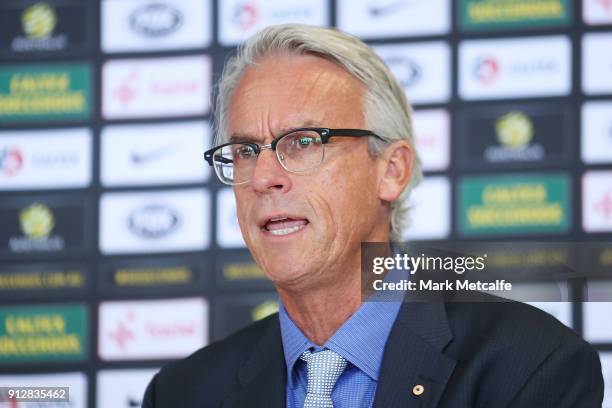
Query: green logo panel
{"points": [[43, 333], [515, 204], [513, 14], [45, 92]]}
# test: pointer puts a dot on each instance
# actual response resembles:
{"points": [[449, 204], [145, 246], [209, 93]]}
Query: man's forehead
{"points": [[284, 92], [289, 125], [307, 75]]}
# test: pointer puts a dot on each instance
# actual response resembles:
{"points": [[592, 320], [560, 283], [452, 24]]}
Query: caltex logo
{"points": [[11, 160], [486, 69], [245, 16], [604, 206]]}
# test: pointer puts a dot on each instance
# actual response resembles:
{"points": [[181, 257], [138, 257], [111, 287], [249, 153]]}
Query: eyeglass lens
{"points": [[297, 151]]}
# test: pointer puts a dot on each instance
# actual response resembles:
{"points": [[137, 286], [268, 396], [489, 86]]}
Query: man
{"points": [[315, 136]]}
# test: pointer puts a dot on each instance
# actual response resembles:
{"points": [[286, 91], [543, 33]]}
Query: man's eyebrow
{"points": [[238, 137], [243, 138]]}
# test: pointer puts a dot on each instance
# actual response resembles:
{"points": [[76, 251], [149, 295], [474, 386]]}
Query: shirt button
{"points": [[418, 390]]}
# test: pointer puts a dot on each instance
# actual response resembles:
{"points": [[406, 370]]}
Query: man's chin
{"points": [[288, 275]]}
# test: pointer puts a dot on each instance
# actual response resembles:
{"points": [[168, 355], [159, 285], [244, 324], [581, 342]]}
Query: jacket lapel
{"points": [[263, 376], [413, 357]]}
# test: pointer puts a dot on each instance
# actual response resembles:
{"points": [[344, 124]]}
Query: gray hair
{"points": [[386, 108]]}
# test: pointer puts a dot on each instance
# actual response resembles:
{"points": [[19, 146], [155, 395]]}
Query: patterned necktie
{"points": [[324, 368]]}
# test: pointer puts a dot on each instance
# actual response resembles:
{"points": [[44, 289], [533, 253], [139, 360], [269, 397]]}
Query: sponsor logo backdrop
{"points": [[120, 250]]}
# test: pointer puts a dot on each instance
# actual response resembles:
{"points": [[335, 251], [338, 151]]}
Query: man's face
{"points": [[305, 229]]}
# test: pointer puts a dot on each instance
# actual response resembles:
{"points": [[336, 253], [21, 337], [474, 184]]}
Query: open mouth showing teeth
{"points": [[284, 225]]}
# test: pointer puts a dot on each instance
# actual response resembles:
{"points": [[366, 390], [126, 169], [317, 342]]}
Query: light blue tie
{"points": [[324, 368]]}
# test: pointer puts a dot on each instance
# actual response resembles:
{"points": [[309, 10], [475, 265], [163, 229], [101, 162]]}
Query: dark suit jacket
{"points": [[487, 355]]}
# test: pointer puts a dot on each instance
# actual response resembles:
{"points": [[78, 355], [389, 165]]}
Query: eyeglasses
{"points": [[297, 151]]}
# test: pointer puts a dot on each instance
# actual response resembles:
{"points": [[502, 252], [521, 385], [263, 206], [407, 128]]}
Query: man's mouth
{"points": [[280, 226]]}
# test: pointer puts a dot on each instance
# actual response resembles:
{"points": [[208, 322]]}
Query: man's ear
{"points": [[397, 162]]}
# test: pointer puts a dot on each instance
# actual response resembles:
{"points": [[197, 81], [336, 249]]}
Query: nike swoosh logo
{"points": [[379, 11], [142, 158]]}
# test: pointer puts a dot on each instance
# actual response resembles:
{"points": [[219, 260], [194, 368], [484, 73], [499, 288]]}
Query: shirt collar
{"points": [[360, 340], [294, 341]]}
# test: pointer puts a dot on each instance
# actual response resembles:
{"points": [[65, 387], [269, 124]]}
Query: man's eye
{"points": [[244, 152], [305, 141]]}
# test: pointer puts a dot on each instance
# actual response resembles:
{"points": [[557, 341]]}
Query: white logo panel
{"points": [[45, 159], [432, 134], [597, 201], [394, 18], [144, 88], [228, 229], [596, 12], [155, 329], [143, 25], [161, 221], [596, 132], [76, 382], [168, 153], [597, 320], [429, 210], [423, 69], [515, 68], [122, 388], [597, 314], [606, 369], [240, 19], [597, 63]]}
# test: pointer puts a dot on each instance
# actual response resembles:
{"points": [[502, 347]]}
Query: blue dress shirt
{"points": [[360, 340]]}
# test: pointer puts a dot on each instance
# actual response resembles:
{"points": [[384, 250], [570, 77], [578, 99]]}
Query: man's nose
{"points": [[268, 174]]}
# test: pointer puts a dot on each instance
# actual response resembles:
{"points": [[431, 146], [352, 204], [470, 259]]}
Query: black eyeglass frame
{"points": [[325, 134]]}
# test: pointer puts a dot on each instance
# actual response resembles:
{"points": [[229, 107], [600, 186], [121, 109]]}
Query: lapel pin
{"points": [[418, 390]]}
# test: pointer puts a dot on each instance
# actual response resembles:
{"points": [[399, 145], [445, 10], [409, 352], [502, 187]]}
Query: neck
{"points": [[319, 312]]}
